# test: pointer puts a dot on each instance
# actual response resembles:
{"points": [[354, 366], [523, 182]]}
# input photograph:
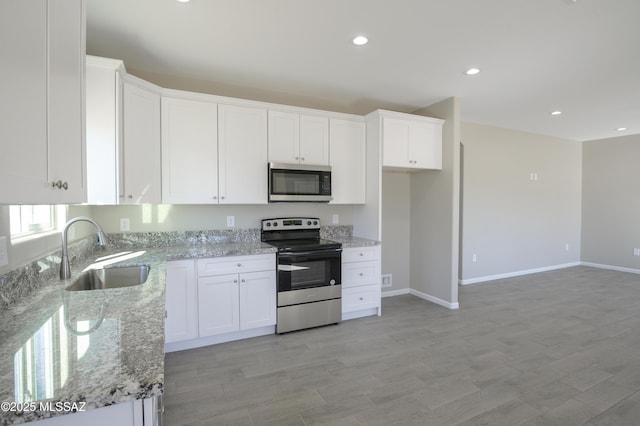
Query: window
{"points": [[30, 220]]}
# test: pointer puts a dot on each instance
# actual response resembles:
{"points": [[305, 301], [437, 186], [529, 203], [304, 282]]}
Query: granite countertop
{"points": [[99, 347]]}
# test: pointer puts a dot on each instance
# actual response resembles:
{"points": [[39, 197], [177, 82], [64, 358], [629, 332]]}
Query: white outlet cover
{"points": [[125, 225], [231, 221]]}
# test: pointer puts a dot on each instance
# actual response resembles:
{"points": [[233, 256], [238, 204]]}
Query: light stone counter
{"points": [[99, 347]]}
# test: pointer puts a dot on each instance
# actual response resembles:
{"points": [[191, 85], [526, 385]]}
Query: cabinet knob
{"points": [[361, 254], [361, 274], [302, 158], [235, 281], [129, 196], [242, 280], [239, 265], [222, 197], [215, 197], [297, 158], [362, 298]]}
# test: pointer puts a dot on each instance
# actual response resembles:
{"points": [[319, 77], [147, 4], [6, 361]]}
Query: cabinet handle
{"points": [[60, 185]]}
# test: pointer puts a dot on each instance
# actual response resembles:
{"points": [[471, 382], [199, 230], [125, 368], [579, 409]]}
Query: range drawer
{"points": [[236, 264], [360, 254], [359, 273], [355, 299]]}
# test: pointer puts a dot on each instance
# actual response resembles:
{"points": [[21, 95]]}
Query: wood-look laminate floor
{"points": [[554, 348]]}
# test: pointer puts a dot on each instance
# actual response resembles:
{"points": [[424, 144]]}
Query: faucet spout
{"points": [[65, 267]]}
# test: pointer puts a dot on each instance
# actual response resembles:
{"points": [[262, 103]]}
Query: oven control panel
{"points": [[290, 223]]}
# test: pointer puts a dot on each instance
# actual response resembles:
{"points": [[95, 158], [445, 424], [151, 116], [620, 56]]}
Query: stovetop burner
{"points": [[295, 234]]}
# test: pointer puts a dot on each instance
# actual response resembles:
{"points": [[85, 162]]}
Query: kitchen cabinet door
{"points": [[140, 159], [181, 319], [298, 138], [257, 299], [414, 143], [189, 151], [348, 161], [218, 305], [242, 150], [314, 140], [284, 137], [42, 107]]}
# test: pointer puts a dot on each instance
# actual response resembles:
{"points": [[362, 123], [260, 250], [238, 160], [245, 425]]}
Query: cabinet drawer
{"points": [[355, 299], [236, 264], [359, 254], [360, 273]]}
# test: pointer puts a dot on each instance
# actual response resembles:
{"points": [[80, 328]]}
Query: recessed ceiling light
{"points": [[621, 129], [472, 71], [556, 112], [360, 40]]}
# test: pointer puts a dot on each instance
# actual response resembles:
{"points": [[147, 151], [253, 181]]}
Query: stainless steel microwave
{"points": [[299, 183]]}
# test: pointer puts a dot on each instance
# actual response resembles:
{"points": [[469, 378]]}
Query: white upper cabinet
{"points": [[103, 116], [298, 138], [242, 150], [140, 174], [213, 153], [123, 135], [411, 141], [348, 161], [189, 151], [42, 44]]}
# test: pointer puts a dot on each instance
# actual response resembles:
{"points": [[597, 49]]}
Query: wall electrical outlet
{"points": [[474, 258], [566, 247], [125, 224], [231, 221], [335, 219], [387, 280], [636, 251]]}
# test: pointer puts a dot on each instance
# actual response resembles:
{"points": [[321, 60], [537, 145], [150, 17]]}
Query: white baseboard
{"points": [[611, 267], [518, 273], [391, 293], [434, 299], [221, 338]]}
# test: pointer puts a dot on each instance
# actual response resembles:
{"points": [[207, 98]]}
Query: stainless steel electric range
{"points": [[309, 273]]}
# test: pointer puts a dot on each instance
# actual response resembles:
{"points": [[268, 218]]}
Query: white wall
{"points": [[611, 202], [435, 215], [396, 228], [24, 251], [510, 222], [174, 217]]}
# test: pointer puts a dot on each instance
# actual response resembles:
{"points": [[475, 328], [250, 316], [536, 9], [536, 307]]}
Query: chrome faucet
{"points": [[65, 268]]}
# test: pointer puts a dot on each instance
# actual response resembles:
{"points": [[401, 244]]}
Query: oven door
{"points": [[316, 268]]}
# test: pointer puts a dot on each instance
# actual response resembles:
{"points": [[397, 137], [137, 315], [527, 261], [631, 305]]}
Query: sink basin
{"points": [[111, 277]]}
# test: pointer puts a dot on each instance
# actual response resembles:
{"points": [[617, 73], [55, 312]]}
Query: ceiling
{"points": [[536, 56]]}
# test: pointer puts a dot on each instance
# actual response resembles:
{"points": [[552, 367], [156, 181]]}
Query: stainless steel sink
{"points": [[111, 277]]}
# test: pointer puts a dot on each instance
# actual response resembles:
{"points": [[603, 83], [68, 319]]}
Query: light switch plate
{"points": [[4, 255]]}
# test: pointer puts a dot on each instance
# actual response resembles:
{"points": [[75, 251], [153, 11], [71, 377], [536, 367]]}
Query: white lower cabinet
{"points": [[181, 313], [214, 300], [361, 282], [141, 412]]}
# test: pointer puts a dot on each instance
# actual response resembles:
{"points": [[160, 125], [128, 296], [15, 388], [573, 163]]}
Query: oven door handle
{"points": [[311, 254]]}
